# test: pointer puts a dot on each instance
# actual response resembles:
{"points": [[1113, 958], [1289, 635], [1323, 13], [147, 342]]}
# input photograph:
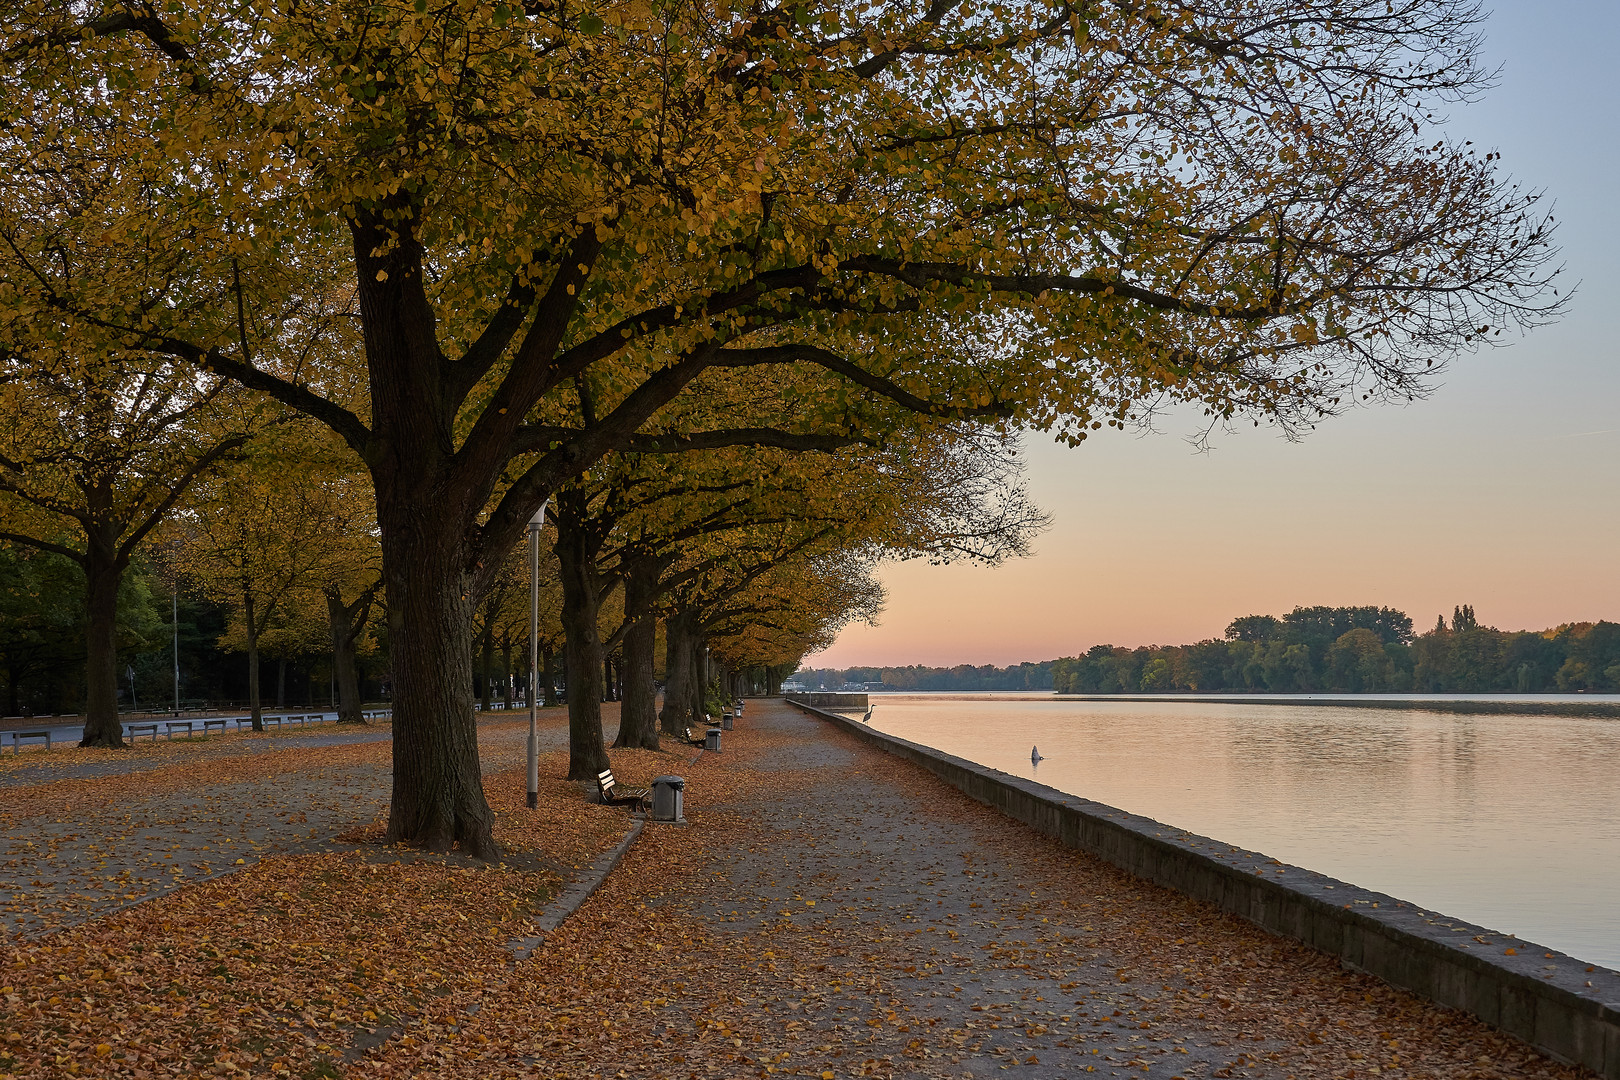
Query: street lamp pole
{"points": [[535, 524], [174, 619]]}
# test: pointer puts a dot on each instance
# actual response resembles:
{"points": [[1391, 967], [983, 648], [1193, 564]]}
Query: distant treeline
{"points": [[963, 677], [1356, 649]]}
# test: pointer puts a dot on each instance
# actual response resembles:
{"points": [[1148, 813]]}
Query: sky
{"points": [[1501, 490]]}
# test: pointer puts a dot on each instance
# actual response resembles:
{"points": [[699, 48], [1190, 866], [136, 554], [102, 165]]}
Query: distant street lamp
{"points": [[174, 617], [535, 524]]}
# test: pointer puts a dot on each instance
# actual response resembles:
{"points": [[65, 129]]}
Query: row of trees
{"points": [[1353, 650], [43, 644], [509, 253]]}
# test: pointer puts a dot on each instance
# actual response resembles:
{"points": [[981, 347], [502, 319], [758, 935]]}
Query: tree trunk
{"points": [[102, 574], [547, 683], [582, 645], [340, 619], [638, 712], [773, 682], [281, 682], [700, 682], [486, 659], [678, 671], [438, 793], [506, 676], [254, 706]]}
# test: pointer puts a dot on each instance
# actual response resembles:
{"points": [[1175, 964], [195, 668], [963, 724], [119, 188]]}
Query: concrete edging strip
{"points": [[1558, 1004], [578, 891]]}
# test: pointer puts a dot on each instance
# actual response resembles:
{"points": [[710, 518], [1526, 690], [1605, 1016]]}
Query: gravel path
{"points": [[833, 912], [87, 832]]}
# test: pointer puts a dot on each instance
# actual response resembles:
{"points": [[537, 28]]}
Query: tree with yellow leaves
{"points": [[558, 219]]}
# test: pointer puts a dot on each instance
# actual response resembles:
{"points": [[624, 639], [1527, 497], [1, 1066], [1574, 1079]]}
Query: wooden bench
{"points": [[242, 722], [209, 725], [18, 736], [170, 725], [686, 737], [137, 730], [615, 795]]}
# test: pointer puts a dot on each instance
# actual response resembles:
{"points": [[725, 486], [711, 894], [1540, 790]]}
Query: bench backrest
{"points": [[604, 779]]}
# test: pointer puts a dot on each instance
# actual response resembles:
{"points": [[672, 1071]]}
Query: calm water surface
{"points": [[1509, 821]]}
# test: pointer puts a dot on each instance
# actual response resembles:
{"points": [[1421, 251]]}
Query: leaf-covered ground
{"points": [[828, 912]]}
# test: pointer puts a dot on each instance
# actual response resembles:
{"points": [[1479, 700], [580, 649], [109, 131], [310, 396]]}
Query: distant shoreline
{"points": [[1607, 709]]}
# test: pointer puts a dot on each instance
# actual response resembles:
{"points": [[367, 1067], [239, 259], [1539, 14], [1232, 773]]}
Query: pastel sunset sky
{"points": [[1502, 490]]}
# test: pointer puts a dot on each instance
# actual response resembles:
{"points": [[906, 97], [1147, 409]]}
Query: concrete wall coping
{"points": [[1563, 1006]]}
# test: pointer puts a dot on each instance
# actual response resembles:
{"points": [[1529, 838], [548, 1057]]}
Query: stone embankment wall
{"points": [[825, 700], [1563, 1006]]}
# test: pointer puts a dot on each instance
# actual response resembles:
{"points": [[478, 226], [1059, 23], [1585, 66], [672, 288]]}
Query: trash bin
{"points": [[725, 721], [711, 739], [669, 799]]}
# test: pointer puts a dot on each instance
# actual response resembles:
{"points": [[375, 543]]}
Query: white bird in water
{"points": [[1035, 755]]}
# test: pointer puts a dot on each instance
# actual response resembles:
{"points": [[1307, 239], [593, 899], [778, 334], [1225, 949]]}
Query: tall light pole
{"points": [[174, 617], [535, 524]]}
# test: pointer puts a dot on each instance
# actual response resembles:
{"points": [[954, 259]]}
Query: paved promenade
{"points": [[829, 912], [834, 912]]}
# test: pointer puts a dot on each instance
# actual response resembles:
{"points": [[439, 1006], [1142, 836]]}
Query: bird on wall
{"points": [[867, 719]]}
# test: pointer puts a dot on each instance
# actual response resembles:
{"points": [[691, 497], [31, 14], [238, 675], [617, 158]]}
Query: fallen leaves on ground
{"points": [[748, 944]]}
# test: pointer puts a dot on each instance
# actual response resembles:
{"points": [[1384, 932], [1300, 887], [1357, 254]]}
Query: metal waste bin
{"points": [[711, 739], [669, 799], [725, 721]]}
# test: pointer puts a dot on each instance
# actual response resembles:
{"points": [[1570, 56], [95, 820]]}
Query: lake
{"points": [[1509, 821]]}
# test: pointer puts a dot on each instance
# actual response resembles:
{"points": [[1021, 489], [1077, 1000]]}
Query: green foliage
{"points": [[1356, 650]]}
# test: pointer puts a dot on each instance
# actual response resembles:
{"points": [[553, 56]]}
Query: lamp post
{"points": [[174, 618], [535, 524]]}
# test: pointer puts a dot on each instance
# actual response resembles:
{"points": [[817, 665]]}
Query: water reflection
{"points": [[1510, 821]]}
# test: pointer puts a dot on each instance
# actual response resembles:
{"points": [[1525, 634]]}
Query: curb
{"points": [[570, 899]]}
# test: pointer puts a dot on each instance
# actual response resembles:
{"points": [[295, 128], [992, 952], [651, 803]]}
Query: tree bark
{"points": [[340, 619], [678, 670], [102, 574], [486, 660], [638, 713], [438, 793], [700, 681], [547, 683], [248, 616], [506, 676], [582, 646], [281, 682]]}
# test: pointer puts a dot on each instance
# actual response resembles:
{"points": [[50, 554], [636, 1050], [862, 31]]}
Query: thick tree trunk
{"points": [[582, 646], [638, 713], [340, 621], [281, 682], [254, 705], [700, 682], [548, 685], [438, 794], [486, 659], [677, 711], [773, 682], [506, 677], [102, 574]]}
